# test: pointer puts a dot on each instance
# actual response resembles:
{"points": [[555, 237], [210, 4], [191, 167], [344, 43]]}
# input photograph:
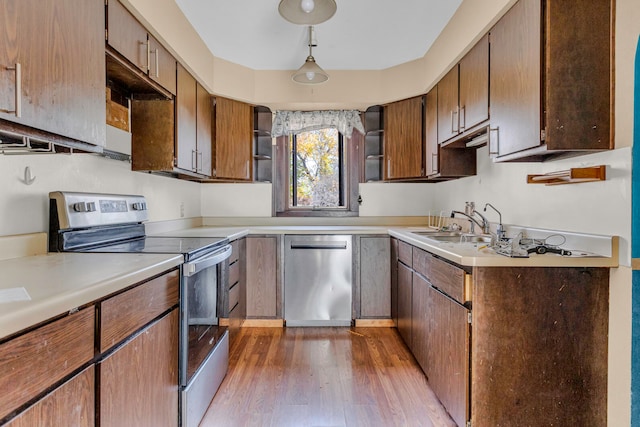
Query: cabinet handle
{"points": [[198, 163], [148, 64], [463, 118], [248, 175], [194, 160], [434, 162], [497, 141], [157, 63], [454, 119], [389, 167], [17, 69]]}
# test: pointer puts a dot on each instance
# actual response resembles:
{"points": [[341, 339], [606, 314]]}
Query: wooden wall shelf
{"points": [[571, 176]]}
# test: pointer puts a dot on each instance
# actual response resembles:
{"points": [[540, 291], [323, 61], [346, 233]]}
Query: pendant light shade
{"points": [[310, 72], [307, 12]]}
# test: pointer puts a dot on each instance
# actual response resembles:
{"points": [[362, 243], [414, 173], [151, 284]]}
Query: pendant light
{"points": [[307, 12], [310, 72]]}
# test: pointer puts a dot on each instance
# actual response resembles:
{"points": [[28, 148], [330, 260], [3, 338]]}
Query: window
{"points": [[316, 173]]}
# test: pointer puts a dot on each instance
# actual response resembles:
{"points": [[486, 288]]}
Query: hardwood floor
{"points": [[323, 377]]}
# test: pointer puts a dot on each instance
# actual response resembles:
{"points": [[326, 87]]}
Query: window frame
{"points": [[351, 171]]}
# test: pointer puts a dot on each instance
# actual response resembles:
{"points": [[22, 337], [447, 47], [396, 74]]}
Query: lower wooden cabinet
{"points": [[374, 276], [263, 292], [237, 285], [35, 361], [405, 280], [71, 404], [139, 381]]}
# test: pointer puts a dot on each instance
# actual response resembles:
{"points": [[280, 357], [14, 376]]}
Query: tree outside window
{"points": [[317, 169]]}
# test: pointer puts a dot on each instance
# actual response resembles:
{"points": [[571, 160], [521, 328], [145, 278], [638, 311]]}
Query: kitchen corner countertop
{"points": [[603, 250], [480, 255], [57, 283]]}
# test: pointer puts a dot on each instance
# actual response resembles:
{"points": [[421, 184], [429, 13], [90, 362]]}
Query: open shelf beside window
{"points": [[373, 146], [262, 145]]}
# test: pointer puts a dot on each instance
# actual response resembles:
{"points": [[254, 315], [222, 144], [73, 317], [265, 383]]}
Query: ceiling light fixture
{"points": [[307, 12], [310, 72]]}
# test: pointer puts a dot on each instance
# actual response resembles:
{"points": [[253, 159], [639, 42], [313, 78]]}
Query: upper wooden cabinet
{"points": [[233, 140], [131, 40], [262, 145], [403, 140], [173, 136], [443, 162], [193, 125], [551, 80], [463, 94], [52, 67]]}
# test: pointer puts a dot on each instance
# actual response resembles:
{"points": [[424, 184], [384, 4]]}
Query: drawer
{"points": [[448, 278], [33, 362], [235, 251], [422, 262], [405, 253], [123, 314], [234, 296], [234, 273]]}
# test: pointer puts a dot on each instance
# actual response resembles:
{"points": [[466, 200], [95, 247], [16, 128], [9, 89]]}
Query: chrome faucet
{"points": [[500, 228], [470, 210]]}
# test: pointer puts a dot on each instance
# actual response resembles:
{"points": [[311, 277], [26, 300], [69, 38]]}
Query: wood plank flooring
{"points": [[317, 377]]}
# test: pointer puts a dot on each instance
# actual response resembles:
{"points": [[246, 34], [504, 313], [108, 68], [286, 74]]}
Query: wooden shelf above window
{"points": [[571, 176]]}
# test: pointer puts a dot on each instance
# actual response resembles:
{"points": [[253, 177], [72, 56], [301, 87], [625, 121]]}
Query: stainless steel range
{"points": [[87, 222]]}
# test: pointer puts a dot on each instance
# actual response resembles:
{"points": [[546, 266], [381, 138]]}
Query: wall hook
{"points": [[28, 178]]}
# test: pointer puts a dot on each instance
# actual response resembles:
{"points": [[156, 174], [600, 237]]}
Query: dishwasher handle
{"points": [[319, 245]]}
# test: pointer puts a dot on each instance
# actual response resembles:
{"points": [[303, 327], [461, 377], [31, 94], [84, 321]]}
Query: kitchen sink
{"points": [[454, 236]]}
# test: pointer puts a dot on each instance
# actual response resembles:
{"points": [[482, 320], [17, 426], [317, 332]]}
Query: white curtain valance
{"points": [[294, 122]]}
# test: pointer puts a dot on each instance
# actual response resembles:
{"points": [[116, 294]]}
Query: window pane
{"points": [[315, 169]]}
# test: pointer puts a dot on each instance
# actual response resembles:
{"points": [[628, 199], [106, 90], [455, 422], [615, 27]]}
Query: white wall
{"points": [[24, 208]]}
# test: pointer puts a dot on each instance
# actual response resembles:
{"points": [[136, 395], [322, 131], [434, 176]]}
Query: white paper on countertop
{"points": [[14, 294]]}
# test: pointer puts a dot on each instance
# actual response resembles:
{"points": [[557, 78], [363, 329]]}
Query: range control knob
{"points": [[79, 207], [139, 206]]}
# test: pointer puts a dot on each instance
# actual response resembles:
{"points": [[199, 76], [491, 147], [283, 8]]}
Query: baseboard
{"points": [[374, 323], [263, 323]]}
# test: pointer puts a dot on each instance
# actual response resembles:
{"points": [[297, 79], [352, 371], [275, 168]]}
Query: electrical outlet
{"points": [[181, 209]]}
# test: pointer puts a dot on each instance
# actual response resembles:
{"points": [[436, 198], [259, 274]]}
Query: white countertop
{"points": [[468, 254], [59, 282]]}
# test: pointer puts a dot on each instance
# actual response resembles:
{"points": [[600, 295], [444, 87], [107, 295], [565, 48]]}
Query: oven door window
{"points": [[200, 332]]}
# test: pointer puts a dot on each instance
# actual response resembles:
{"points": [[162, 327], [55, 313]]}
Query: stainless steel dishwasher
{"points": [[317, 280]]}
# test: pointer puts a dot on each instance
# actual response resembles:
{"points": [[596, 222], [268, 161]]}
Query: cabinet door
{"points": [[404, 302], [448, 106], [71, 404], [162, 65], [515, 87], [204, 132], [447, 355], [403, 143], [420, 321], [59, 48], [431, 132], [375, 281], [262, 285], [35, 361], [139, 381], [233, 139], [127, 36], [186, 106], [474, 86], [394, 280]]}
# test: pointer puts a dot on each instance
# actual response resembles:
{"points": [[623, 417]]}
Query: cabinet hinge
{"points": [[468, 423], [106, 34], [469, 317], [543, 135]]}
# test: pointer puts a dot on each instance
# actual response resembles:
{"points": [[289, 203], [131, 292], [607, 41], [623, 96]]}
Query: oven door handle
{"points": [[191, 268]]}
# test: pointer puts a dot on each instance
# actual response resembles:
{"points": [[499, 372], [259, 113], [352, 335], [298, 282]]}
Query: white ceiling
{"points": [[362, 35]]}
